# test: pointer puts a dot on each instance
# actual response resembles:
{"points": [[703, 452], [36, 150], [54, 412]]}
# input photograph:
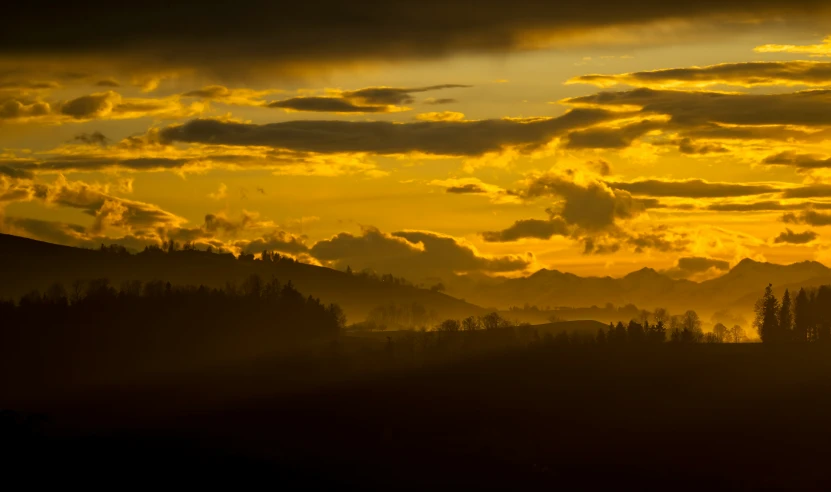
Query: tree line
{"points": [[97, 325], [805, 318]]}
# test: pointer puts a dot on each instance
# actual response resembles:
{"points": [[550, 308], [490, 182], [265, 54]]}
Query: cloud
{"points": [[328, 105], [475, 186], [750, 74], [394, 95], [799, 161], [611, 138], [602, 167], [466, 188], [294, 38], [91, 106], [589, 204], [413, 254], [102, 105], [464, 138], [108, 210], [439, 101], [791, 237], [691, 108], [280, 241], [220, 223], [70, 234], [659, 239], [808, 217], [94, 138], [692, 188], [231, 96], [367, 100], [688, 146], [764, 206], [441, 116], [692, 266], [529, 228], [822, 49], [808, 191], [220, 194]]}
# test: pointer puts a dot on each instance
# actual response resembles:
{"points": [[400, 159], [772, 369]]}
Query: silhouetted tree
{"points": [[635, 333], [801, 317], [721, 332], [785, 318], [471, 323], [767, 317], [737, 334], [657, 333], [449, 326], [619, 334]]}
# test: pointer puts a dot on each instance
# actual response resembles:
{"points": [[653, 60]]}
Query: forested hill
{"points": [[26, 264]]}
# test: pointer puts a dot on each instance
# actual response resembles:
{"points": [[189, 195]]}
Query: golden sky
{"points": [[426, 140]]}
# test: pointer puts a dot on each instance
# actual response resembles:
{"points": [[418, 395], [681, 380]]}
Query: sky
{"points": [[425, 139]]}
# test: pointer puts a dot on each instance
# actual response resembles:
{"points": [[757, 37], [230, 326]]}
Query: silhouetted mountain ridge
{"points": [[28, 264], [646, 288]]}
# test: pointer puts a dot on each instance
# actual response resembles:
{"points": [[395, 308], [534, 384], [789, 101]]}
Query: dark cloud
{"points": [[602, 167], [305, 33], [688, 146], [692, 265], [210, 92], [444, 100], [592, 205], [280, 241], [466, 188], [108, 83], [792, 237], [15, 172], [84, 163], [744, 74], [689, 108], [94, 138], [797, 160], [383, 137], [692, 188], [529, 228], [808, 191], [611, 138], [598, 245], [393, 95], [326, 104], [26, 85], [765, 206], [767, 132], [413, 254], [657, 240], [367, 100], [90, 106], [11, 109], [808, 217]]}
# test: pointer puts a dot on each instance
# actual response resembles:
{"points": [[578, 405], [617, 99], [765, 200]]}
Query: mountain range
{"points": [[26, 264], [734, 292]]}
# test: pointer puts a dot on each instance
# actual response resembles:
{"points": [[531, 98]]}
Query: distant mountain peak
{"points": [[645, 272]]}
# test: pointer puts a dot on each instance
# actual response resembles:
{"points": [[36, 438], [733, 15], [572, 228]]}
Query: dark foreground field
{"points": [[671, 417]]}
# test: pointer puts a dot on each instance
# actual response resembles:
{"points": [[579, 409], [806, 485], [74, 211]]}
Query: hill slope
{"points": [[27, 264]]}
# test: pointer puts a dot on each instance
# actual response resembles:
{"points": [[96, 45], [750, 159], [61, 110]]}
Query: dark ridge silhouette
{"points": [[93, 333], [28, 264], [735, 291]]}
